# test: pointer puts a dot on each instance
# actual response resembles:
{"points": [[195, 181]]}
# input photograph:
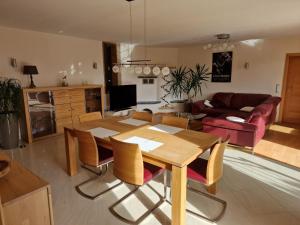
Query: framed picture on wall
{"points": [[221, 67]]}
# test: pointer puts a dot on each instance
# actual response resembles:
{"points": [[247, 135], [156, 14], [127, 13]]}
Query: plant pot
{"points": [[188, 106], [9, 130]]}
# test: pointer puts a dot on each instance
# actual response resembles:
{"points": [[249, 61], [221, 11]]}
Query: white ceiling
{"points": [[170, 22]]}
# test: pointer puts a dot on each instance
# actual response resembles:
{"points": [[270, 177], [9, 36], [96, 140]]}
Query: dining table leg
{"points": [[70, 152], [179, 178]]}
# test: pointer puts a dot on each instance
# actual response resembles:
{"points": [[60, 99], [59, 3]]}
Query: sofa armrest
{"points": [[226, 124], [197, 107]]}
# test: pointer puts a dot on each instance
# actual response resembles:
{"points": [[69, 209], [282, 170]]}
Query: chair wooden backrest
{"points": [[214, 170], [128, 162], [175, 121], [90, 117], [142, 116], [87, 147]]}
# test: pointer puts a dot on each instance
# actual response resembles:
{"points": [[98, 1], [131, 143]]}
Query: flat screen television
{"points": [[122, 97]]}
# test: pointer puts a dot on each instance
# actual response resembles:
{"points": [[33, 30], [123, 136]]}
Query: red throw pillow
{"points": [[197, 107]]}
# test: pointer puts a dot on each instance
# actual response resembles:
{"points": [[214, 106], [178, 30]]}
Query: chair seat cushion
{"points": [[196, 170], [151, 171], [105, 155]]}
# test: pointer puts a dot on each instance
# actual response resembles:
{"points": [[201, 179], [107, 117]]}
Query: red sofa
{"points": [[229, 104]]}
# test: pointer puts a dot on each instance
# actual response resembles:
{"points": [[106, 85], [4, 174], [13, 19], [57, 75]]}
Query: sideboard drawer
{"points": [[63, 111], [61, 100], [61, 93]]}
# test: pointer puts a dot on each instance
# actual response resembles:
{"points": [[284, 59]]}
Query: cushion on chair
{"points": [[196, 170], [151, 171], [105, 155]]}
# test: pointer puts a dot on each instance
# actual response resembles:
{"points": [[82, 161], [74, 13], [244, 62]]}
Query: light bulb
{"points": [[147, 70], [165, 71], [156, 70], [138, 70]]}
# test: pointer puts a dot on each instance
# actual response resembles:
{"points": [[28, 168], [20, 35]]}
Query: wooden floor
{"points": [[281, 143]]}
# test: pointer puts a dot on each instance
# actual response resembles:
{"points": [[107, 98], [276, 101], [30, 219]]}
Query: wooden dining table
{"points": [[175, 153]]}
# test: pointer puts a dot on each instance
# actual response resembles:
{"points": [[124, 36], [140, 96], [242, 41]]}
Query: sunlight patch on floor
{"points": [[284, 129], [279, 177]]}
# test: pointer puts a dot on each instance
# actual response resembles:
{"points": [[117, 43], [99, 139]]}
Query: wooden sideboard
{"points": [[25, 198], [49, 109]]}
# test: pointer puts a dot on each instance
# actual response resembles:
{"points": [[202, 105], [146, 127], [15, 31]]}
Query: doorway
{"points": [[290, 107], [109, 57]]}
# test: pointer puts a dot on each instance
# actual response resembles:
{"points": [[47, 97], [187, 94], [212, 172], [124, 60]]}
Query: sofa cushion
{"points": [[262, 110], [221, 122], [221, 100], [241, 100], [237, 113], [274, 100]]}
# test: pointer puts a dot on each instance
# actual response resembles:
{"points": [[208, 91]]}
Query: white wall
{"points": [[168, 56], [266, 65], [51, 54]]}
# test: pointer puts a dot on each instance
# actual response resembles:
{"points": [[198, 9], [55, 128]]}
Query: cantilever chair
{"points": [[209, 172], [90, 117], [142, 116], [130, 168], [175, 121], [93, 156]]}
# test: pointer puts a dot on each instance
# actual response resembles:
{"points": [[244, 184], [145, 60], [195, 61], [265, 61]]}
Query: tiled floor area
{"points": [[258, 191]]}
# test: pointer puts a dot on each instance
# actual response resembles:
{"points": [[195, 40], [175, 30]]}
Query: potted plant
{"points": [[188, 83], [10, 108]]}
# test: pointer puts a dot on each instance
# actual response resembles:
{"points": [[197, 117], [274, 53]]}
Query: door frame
{"points": [[284, 83], [104, 46]]}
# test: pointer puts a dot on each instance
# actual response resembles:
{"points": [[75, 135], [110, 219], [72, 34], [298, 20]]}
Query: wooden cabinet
{"points": [[57, 107], [25, 198]]}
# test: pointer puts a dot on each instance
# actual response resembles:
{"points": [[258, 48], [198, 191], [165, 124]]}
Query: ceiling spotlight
{"points": [[223, 43]]}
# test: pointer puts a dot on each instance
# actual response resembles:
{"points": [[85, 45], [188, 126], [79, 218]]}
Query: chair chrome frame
{"points": [[149, 211], [98, 174], [216, 218], [212, 220]]}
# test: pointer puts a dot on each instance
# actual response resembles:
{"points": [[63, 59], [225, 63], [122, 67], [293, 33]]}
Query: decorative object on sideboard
{"points": [[30, 70], [223, 44], [64, 81], [10, 108], [221, 67], [13, 62], [143, 65]]}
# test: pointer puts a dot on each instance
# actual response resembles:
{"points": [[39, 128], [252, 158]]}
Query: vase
{"points": [[9, 130]]}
